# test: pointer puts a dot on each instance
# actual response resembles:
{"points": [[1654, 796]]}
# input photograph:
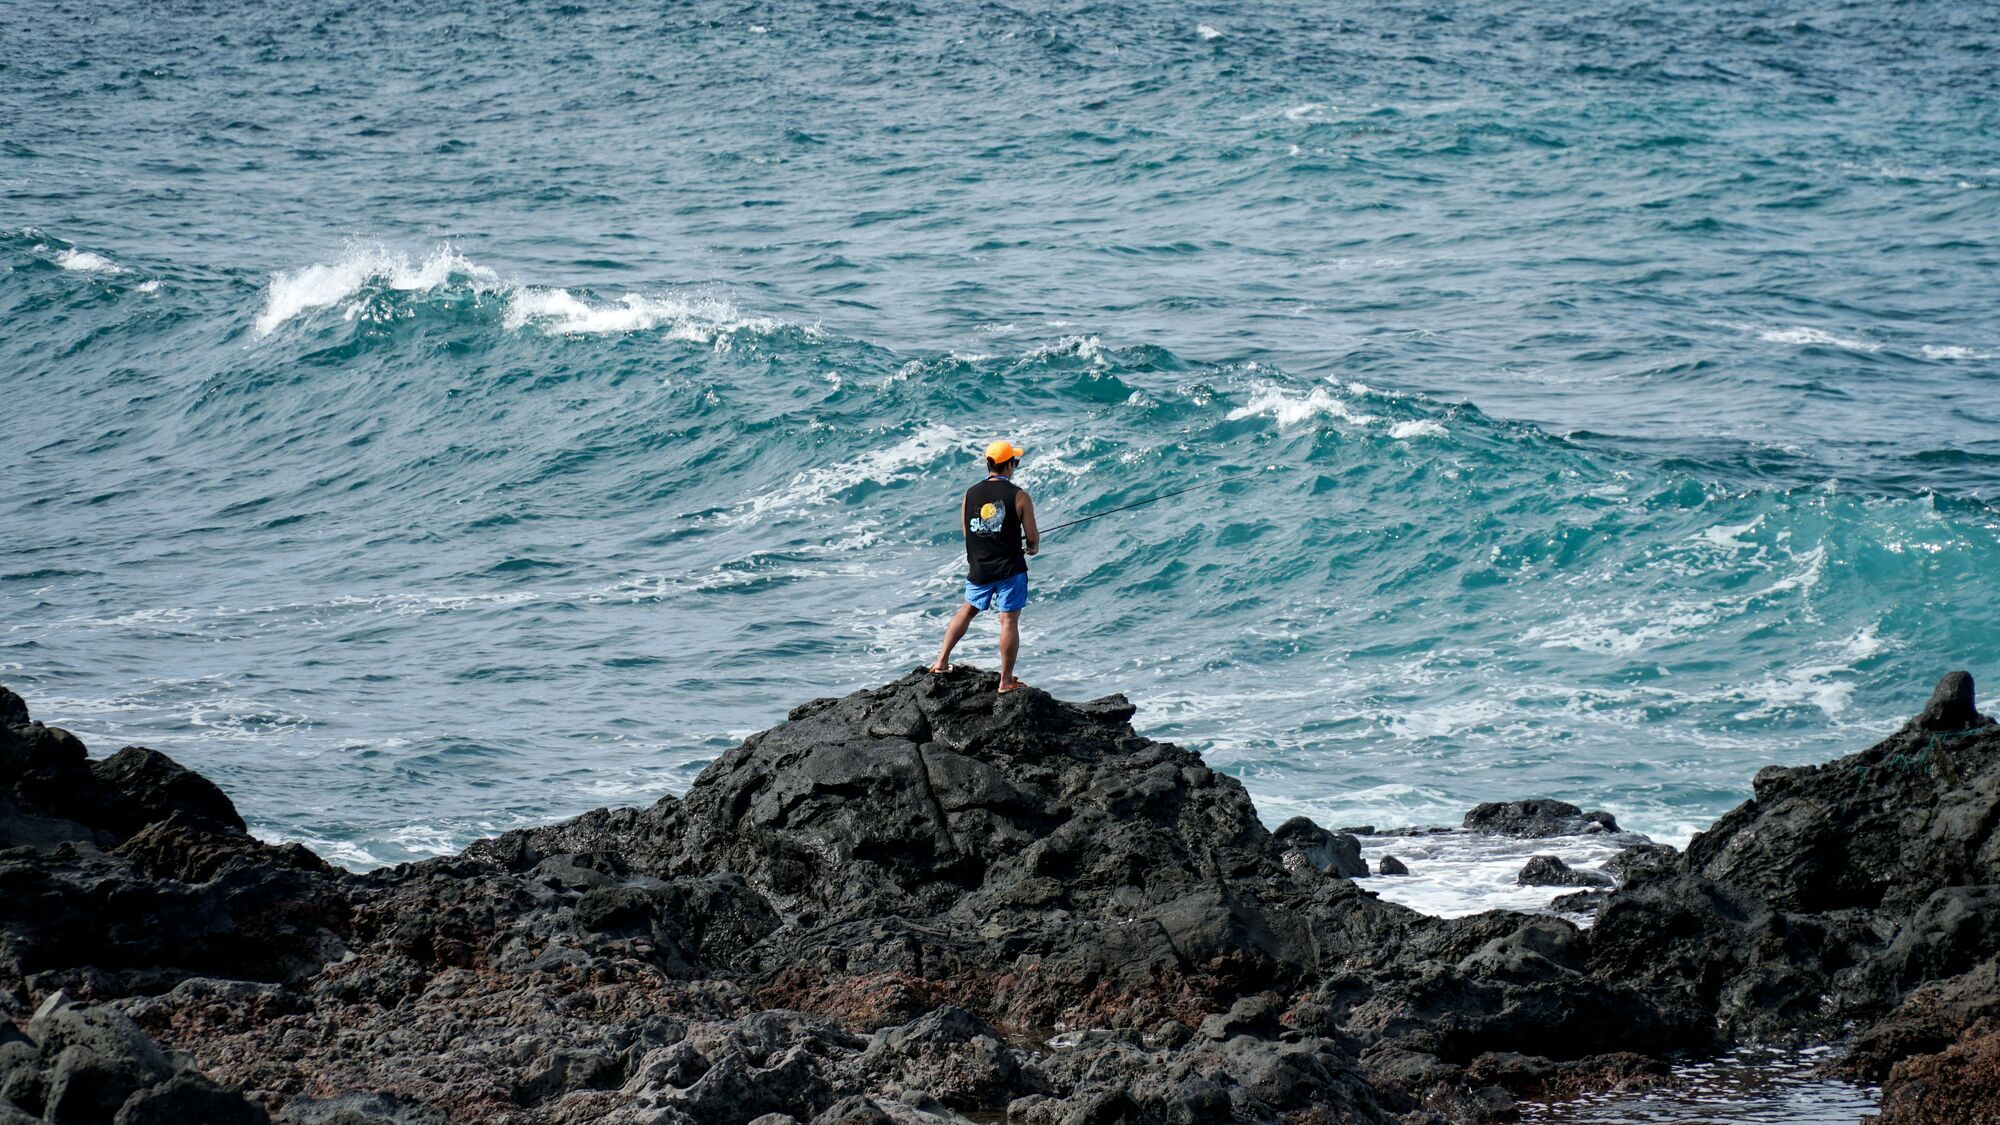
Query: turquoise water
{"points": [[431, 419]]}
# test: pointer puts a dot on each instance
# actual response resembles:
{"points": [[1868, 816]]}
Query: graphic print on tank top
{"points": [[988, 520]]}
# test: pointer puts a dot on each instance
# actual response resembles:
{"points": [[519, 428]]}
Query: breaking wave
{"points": [[353, 283]]}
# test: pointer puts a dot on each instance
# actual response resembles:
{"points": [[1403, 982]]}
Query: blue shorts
{"points": [[1007, 595]]}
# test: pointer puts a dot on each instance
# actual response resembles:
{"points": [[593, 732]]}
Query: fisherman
{"points": [[998, 520]]}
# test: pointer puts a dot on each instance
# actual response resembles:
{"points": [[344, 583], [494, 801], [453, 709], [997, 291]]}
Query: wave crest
{"points": [[361, 268], [367, 270]]}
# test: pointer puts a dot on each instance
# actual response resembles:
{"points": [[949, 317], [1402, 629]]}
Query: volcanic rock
{"points": [[83, 1065], [1390, 865], [1537, 819], [879, 909], [1961, 1083], [1951, 706], [1551, 871], [1642, 862], [1302, 843]]}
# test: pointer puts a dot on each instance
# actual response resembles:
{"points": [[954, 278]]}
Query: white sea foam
{"points": [[1207, 32], [1453, 874], [1812, 684], [1613, 637], [326, 284], [1421, 428], [1729, 538], [425, 839], [1956, 351], [149, 287], [1445, 719], [1082, 347], [810, 489], [241, 720], [1807, 336], [700, 319], [84, 261], [347, 853], [1289, 408], [1342, 265], [1805, 578], [1819, 684]]}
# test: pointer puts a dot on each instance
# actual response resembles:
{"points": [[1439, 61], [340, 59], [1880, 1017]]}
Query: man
{"points": [[998, 520]]}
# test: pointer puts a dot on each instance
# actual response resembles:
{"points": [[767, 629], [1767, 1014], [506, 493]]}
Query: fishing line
{"points": [[1047, 531]]}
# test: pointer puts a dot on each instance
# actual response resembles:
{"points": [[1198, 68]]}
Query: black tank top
{"points": [[993, 536]]}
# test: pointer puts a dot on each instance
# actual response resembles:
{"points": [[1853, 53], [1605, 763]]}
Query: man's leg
{"points": [[1010, 647], [953, 633]]}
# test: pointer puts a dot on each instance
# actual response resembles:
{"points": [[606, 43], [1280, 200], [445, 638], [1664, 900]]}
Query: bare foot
{"points": [[939, 668], [1011, 685]]}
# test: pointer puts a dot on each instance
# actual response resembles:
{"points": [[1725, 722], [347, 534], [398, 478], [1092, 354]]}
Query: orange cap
{"points": [[1003, 451]]}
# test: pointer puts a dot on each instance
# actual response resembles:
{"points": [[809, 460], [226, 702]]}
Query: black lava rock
{"points": [[1951, 706], [1299, 840], [859, 914], [1551, 871], [1537, 819]]}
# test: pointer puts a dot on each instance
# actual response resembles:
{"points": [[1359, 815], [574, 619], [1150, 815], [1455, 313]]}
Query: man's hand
{"points": [[1029, 531]]}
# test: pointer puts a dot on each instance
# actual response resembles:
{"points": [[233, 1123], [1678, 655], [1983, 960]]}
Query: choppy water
{"points": [[427, 419]]}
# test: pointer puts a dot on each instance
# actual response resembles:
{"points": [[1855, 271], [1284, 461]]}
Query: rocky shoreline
{"points": [[929, 903]]}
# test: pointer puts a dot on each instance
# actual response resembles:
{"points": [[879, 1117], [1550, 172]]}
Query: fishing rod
{"points": [[1238, 475]]}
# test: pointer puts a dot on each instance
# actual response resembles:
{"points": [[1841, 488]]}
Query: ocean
{"points": [[431, 419]]}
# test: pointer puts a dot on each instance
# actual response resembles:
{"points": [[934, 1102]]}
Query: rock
{"points": [[841, 915], [93, 1059], [13, 709], [1927, 1021], [618, 907], [1949, 933], [566, 1070], [951, 1054], [853, 1110], [1390, 865], [21, 1075], [150, 787], [1252, 1015], [1879, 830], [1959, 1084], [1643, 862], [582, 871], [1537, 819], [1407, 1069], [357, 1109], [1334, 852], [1951, 706], [912, 796], [187, 1098], [1551, 871], [1580, 902], [1531, 1076]]}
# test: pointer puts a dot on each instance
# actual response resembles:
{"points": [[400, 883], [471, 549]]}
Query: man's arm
{"points": [[1028, 528]]}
